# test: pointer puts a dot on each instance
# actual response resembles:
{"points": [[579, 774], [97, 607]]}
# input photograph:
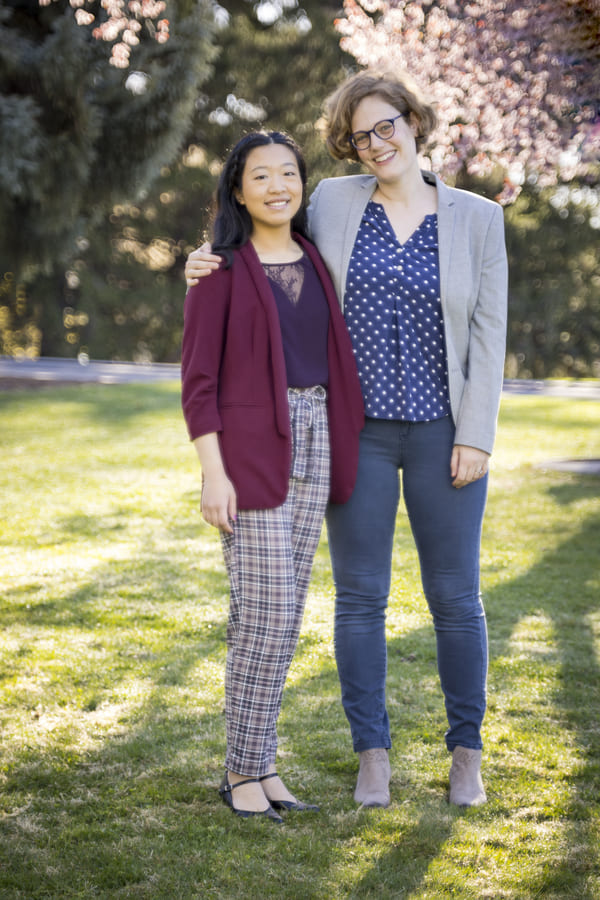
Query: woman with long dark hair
{"points": [[273, 406]]}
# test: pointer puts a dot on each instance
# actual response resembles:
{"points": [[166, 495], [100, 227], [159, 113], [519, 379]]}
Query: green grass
{"points": [[112, 624]]}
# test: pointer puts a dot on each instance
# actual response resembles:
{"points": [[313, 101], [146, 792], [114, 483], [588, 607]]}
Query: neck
{"points": [[408, 190], [275, 245]]}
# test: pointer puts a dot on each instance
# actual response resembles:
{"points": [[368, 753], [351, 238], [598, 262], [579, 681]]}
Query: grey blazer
{"points": [[473, 286]]}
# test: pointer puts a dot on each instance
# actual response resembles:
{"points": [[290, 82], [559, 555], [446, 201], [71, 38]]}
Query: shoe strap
{"points": [[270, 775], [231, 786]]}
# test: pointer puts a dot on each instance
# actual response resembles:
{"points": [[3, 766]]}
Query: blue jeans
{"points": [[446, 525]]}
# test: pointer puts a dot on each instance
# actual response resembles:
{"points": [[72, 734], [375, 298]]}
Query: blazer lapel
{"points": [[265, 295], [446, 223], [360, 198]]}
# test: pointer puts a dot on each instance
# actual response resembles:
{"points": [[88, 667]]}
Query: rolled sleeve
{"points": [[204, 327]]}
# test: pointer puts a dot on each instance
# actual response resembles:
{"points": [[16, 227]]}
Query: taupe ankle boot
{"points": [[466, 786], [373, 784]]}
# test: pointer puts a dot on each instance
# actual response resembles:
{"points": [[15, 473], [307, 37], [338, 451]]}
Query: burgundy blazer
{"points": [[234, 381]]}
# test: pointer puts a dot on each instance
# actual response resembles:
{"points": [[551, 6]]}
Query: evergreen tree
{"points": [[272, 74], [120, 295], [78, 135], [554, 297]]}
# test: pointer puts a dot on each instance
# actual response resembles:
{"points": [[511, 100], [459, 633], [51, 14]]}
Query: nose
{"points": [[276, 184], [376, 141]]}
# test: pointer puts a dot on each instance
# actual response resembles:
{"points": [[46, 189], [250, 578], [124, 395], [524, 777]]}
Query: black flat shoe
{"points": [[295, 805], [225, 790]]}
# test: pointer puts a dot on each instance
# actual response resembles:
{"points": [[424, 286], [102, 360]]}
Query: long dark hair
{"points": [[232, 225]]}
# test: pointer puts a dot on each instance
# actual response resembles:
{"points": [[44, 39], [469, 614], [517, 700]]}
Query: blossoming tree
{"points": [[516, 82], [121, 23]]}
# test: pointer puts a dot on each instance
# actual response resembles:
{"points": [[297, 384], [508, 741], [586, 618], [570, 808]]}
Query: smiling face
{"points": [[271, 188], [387, 159]]}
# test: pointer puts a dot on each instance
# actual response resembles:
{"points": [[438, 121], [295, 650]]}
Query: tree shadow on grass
{"points": [[569, 607], [86, 804], [84, 526], [136, 814], [572, 869], [126, 592], [131, 809], [116, 403]]}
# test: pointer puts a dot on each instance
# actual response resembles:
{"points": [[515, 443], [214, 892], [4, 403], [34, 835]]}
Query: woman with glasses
{"points": [[421, 273]]}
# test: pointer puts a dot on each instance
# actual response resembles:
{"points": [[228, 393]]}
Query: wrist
{"points": [[214, 474]]}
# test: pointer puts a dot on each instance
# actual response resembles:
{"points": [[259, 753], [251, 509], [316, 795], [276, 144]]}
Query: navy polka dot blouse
{"points": [[393, 312]]}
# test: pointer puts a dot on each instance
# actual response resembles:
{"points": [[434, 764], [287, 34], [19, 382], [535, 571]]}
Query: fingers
{"points": [[197, 269], [218, 517], [232, 510], [467, 465], [199, 263], [194, 271], [227, 528], [219, 506], [469, 478]]}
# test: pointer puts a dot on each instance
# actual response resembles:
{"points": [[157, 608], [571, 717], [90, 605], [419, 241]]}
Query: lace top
{"points": [[304, 320]]}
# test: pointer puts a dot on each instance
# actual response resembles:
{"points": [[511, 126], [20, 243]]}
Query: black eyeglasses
{"points": [[361, 140]]}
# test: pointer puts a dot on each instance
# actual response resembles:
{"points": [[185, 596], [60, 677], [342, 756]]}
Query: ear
{"points": [[239, 198]]}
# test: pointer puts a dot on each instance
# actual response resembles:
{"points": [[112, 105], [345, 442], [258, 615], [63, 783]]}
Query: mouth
{"points": [[382, 158], [277, 204]]}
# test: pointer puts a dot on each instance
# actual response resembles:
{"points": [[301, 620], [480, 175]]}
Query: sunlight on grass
{"points": [[112, 650]]}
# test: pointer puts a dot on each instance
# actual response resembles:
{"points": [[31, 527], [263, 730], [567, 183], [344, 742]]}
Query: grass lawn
{"points": [[113, 612]]}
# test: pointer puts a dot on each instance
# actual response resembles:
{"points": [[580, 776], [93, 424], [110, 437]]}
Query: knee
{"points": [[455, 610], [362, 582], [358, 601]]}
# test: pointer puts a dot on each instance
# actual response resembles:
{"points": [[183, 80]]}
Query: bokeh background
{"points": [[115, 116]]}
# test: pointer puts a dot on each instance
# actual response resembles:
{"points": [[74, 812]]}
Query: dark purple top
{"points": [[304, 320]]}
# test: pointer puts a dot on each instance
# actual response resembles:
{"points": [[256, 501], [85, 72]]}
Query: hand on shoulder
{"points": [[199, 263]]}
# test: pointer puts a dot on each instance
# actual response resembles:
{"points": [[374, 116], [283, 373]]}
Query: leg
{"points": [[446, 524], [307, 499], [261, 624], [308, 494], [361, 534], [269, 560]]}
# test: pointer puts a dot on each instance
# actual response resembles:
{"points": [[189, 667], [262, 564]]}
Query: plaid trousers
{"points": [[269, 560]]}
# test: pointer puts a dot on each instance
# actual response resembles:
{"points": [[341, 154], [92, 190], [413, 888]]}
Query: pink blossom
{"points": [[513, 81], [123, 24]]}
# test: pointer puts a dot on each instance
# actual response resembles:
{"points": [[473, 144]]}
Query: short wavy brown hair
{"points": [[397, 88]]}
